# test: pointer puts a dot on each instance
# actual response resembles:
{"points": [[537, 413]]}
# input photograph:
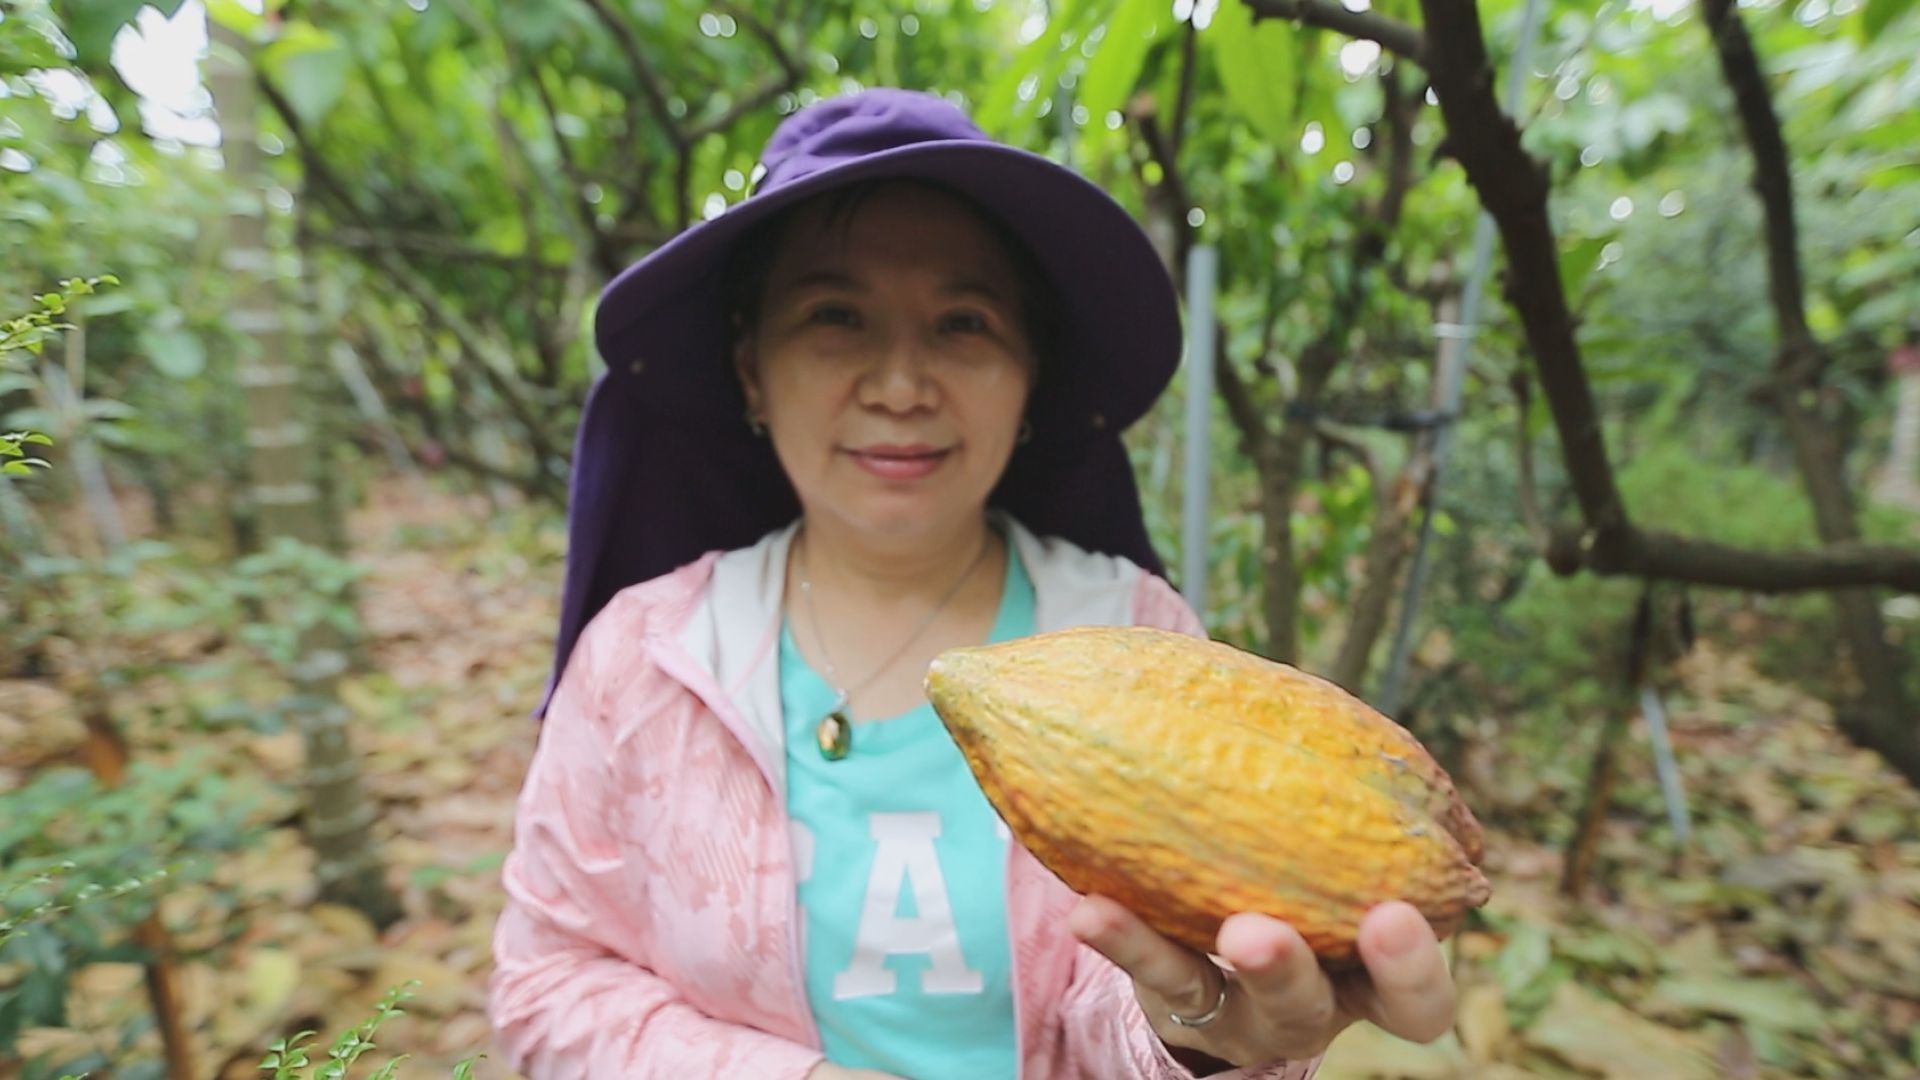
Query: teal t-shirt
{"points": [[902, 883]]}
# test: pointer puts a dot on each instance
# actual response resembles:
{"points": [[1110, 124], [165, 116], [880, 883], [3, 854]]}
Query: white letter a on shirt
{"points": [[905, 854]]}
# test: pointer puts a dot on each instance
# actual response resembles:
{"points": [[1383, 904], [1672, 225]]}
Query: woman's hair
{"points": [[744, 281]]}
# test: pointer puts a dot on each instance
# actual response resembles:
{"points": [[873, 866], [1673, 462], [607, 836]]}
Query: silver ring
{"points": [[1208, 1017]]}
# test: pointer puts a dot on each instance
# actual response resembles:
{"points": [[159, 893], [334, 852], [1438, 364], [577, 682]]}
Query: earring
{"points": [[754, 425], [1026, 432]]}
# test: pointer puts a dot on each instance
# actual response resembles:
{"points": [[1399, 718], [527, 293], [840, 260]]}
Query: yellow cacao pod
{"points": [[1190, 780]]}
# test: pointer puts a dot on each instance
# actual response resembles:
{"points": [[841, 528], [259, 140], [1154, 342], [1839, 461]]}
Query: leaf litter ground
{"points": [[1784, 941]]}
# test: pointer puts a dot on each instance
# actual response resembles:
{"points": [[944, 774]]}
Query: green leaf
{"points": [[1607, 1039], [311, 66], [107, 409], [28, 213], [32, 416], [1523, 959], [1780, 1004], [1816, 67], [1115, 68], [92, 25], [535, 27], [430, 876], [1879, 14], [110, 305], [1041, 60], [176, 353], [235, 16], [1257, 67], [1578, 260], [43, 951], [388, 1071], [116, 436]]}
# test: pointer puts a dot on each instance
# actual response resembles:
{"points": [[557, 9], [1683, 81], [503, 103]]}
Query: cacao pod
{"points": [[1189, 780]]}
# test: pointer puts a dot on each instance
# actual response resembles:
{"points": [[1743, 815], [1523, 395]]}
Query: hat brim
{"points": [[661, 324]]}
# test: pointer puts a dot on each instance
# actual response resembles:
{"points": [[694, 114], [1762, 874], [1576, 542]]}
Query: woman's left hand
{"points": [[1280, 1005]]}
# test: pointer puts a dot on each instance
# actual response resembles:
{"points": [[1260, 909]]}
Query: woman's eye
{"points": [[833, 315], [964, 322]]}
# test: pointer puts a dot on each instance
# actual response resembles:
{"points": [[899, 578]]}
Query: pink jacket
{"points": [[651, 927]]}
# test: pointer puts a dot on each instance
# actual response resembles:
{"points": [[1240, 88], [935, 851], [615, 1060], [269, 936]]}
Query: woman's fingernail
{"points": [[1399, 938]]}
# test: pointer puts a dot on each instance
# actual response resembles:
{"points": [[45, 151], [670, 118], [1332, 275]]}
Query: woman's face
{"points": [[889, 362]]}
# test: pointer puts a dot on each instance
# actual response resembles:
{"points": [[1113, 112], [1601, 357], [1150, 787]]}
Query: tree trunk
{"points": [[1388, 547], [62, 392], [105, 753], [1882, 719], [1593, 805], [1280, 474], [287, 501], [1279, 574], [1393, 541], [1900, 477]]}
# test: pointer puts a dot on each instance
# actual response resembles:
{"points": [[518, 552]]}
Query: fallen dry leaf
{"points": [[1481, 1021], [1365, 1052], [1603, 1037], [255, 1001]]}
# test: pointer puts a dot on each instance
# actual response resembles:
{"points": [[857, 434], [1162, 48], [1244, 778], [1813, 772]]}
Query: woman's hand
{"points": [[1280, 1005], [827, 1070]]}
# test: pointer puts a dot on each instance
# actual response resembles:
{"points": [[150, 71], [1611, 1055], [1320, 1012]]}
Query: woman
{"points": [[853, 422]]}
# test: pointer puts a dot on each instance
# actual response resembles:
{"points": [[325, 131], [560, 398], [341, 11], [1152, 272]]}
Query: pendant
{"points": [[835, 736]]}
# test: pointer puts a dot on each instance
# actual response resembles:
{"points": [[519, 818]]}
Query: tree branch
{"points": [[643, 233], [1184, 97], [1883, 716], [1669, 557], [393, 387], [1513, 188], [496, 363], [1277, 298], [1772, 178], [605, 258], [1389, 544], [756, 99], [790, 76], [1392, 35], [353, 238], [655, 94], [1397, 112], [366, 340], [1239, 398], [1343, 438], [1523, 454], [316, 166], [651, 88], [1161, 148]]}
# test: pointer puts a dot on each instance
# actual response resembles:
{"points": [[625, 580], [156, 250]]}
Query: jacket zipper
{"points": [[1013, 964], [689, 674]]}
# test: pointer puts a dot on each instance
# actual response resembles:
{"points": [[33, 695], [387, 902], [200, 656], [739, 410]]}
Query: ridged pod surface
{"points": [[1190, 780]]}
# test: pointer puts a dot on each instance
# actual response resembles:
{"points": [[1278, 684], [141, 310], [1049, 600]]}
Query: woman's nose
{"points": [[897, 380]]}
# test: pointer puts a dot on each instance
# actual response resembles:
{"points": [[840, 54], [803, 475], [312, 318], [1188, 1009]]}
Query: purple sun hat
{"points": [[665, 468]]}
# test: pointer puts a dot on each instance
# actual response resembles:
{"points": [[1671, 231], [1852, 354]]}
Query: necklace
{"points": [[835, 733]]}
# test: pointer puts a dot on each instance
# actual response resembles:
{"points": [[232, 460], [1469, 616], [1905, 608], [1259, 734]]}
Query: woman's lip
{"points": [[891, 463]]}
